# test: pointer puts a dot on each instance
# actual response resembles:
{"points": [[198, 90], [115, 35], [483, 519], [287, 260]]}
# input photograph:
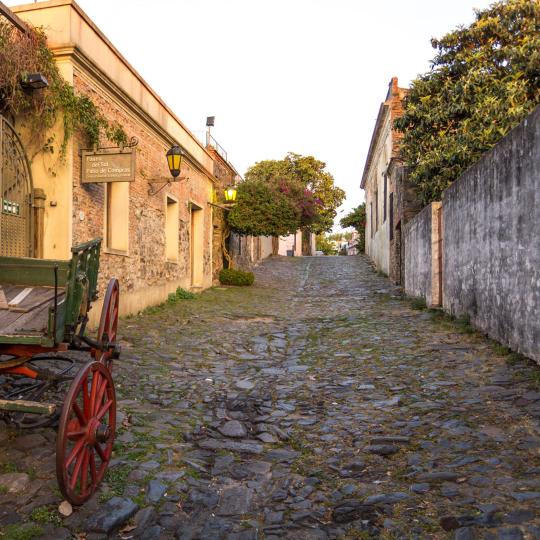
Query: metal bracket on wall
{"points": [[133, 142], [165, 183], [222, 207]]}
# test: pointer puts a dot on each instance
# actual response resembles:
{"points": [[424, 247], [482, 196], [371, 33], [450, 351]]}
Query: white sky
{"points": [[306, 76]]}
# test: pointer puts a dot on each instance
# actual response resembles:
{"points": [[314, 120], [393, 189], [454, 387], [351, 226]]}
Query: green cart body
{"points": [[44, 308], [76, 278]]}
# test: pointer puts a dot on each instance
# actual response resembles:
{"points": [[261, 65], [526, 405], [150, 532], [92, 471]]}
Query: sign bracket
{"points": [[133, 142]]}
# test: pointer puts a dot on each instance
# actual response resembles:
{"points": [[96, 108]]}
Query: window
{"points": [[371, 218], [391, 203], [117, 216], [376, 211], [171, 229], [385, 196]]}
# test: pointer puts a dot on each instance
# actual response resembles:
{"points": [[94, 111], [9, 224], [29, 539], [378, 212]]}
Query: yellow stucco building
{"points": [[154, 240]]}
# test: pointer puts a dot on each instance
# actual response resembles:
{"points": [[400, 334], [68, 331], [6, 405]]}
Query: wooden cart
{"points": [[44, 308]]}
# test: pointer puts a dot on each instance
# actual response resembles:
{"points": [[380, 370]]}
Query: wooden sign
{"points": [[108, 166]]}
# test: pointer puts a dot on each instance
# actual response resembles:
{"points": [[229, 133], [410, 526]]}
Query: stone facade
{"points": [[248, 251], [389, 199], [76, 212], [478, 253], [491, 241], [226, 176], [421, 242]]}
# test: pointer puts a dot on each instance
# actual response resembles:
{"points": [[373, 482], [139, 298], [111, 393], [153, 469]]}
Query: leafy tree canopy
{"points": [[484, 79], [305, 173], [325, 244], [356, 218], [262, 209]]}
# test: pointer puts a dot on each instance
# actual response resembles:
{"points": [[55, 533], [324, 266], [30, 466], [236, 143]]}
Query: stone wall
{"points": [[225, 175], [146, 276], [417, 253], [491, 253]]}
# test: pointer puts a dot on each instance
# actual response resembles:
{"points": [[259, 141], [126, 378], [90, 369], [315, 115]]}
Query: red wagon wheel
{"points": [[86, 433], [108, 322]]}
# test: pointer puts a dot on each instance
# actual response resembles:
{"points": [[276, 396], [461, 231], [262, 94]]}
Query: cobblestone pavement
{"points": [[316, 404]]}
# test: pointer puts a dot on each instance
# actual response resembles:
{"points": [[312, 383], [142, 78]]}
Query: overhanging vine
{"points": [[25, 53]]}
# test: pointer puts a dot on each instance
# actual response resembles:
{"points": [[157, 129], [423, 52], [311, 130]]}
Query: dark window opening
{"points": [[391, 202], [376, 211], [385, 196]]}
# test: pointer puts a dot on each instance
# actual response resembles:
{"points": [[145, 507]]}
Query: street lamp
{"points": [[230, 194], [174, 160], [34, 81]]}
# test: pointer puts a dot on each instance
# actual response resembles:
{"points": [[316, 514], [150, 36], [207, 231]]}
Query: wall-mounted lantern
{"points": [[175, 155], [230, 194], [34, 81]]}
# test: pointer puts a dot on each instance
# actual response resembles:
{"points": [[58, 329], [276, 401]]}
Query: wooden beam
{"points": [[13, 19], [20, 405], [3, 301], [14, 302]]}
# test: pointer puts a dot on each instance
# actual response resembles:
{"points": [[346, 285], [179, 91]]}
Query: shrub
{"points": [[418, 303], [180, 294], [230, 276]]}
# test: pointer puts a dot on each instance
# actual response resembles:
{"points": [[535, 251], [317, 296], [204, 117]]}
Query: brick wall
{"points": [[225, 176], [145, 275]]}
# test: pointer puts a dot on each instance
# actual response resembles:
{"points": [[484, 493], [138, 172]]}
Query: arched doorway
{"points": [[16, 219]]}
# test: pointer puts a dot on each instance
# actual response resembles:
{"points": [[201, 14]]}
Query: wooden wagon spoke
{"points": [[77, 469], [99, 399], [76, 434], [93, 472], [101, 453], [84, 473], [76, 449], [80, 414], [86, 397], [101, 413], [93, 392]]}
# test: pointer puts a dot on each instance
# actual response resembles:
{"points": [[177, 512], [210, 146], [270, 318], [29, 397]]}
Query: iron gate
{"points": [[16, 220]]}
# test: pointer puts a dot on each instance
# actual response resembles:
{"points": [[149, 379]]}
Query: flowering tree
{"points": [[273, 208], [307, 184]]}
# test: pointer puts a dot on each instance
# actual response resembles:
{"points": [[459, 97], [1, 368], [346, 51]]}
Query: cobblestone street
{"points": [[316, 404]]}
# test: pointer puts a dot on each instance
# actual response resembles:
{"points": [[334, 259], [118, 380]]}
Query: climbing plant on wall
{"points": [[484, 79], [22, 53]]}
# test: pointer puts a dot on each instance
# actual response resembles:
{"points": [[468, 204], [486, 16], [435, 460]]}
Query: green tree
{"points": [[484, 79], [311, 175], [262, 208], [356, 218], [324, 244]]}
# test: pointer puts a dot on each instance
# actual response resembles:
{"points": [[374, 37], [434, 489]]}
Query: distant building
{"points": [[302, 243], [389, 198], [351, 246]]}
